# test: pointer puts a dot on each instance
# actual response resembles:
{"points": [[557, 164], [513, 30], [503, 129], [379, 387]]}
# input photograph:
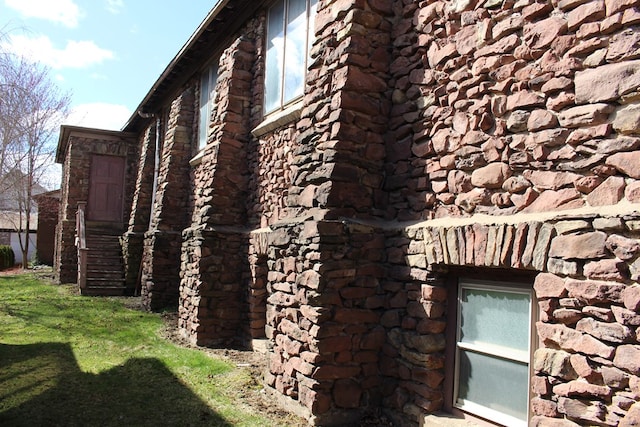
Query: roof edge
{"points": [[217, 8], [67, 130]]}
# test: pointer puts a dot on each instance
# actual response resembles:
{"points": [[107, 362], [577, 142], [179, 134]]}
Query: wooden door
{"points": [[106, 187]]}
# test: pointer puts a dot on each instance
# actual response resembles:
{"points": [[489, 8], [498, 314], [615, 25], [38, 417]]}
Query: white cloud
{"points": [[115, 6], [99, 115], [76, 54], [65, 12]]}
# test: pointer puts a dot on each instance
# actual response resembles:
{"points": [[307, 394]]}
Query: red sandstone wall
{"points": [[271, 165], [510, 107], [480, 108]]}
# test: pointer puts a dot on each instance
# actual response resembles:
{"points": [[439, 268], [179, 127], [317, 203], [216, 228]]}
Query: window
{"points": [[289, 37], [493, 351], [207, 96]]}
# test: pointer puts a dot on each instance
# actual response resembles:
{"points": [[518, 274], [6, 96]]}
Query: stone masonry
{"points": [[161, 253], [133, 238]]}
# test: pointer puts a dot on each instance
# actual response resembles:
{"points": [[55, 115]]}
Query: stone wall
{"points": [[66, 257], [502, 108], [270, 160], [514, 134], [433, 136], [586, 272], [325, 296], [325, 302]]}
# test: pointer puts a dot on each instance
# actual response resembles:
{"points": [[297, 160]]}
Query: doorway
{"points": [[106, 186]]}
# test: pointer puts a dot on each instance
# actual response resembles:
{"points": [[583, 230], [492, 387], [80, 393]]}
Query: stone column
{"points": [[133, 238], [213, 297], [325, 264], [162, 243]]}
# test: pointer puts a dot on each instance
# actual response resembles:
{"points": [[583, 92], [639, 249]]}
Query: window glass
{"points": [[493, 351], [494, 383], [289, 31], [208, 84], [295, 54], [275, 56], [484, 315], [313, 8]]}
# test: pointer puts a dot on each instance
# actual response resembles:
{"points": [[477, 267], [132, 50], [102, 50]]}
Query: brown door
{"points": [[105, 189]]}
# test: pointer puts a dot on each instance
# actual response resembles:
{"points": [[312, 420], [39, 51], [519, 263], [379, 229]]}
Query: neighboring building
{"points": [[13, 218], [48, 207], [10, 222], [444, 217]]}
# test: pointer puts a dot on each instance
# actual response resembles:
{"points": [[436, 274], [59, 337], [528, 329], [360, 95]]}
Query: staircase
{"points": [[104, 266]]}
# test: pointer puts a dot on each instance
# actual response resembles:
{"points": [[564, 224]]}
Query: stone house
{"points": [[427, 207]]}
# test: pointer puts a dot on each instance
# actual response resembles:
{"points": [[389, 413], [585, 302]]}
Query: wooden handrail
{"points": [[81, 244]]}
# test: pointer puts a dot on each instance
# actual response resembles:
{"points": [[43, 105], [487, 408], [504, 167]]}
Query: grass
{"points": [[78, 361]]}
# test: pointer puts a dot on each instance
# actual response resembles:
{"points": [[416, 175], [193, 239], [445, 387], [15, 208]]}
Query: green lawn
{"points": [[77, 361]]}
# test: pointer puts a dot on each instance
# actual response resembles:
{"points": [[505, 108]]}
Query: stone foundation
{"points": [[213, 302]]}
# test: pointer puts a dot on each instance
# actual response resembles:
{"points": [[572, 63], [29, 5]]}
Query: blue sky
{"points": [[106, 53]]}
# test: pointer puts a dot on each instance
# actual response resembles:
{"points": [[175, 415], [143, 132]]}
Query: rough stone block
{"points": [[548, 285], [584, 115], [607, 82], [594, 291], [555, 363], [579, 246], [627, 358]]}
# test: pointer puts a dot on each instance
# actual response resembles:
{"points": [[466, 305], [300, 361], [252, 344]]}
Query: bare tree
{"points": [[31, 110]]}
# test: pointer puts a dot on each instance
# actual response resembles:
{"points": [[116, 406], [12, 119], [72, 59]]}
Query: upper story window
{"points": [[207, 98], [289, 38]]}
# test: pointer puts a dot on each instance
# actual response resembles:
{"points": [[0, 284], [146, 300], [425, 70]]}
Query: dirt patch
{"points": [[250, 391], [13, 271]]}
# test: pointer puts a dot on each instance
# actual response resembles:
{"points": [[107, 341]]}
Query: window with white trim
{"points": [[208, 83], [493, 351], [289, 39]]}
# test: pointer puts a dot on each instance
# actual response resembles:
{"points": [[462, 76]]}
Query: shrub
{"points": [[7, 257]]}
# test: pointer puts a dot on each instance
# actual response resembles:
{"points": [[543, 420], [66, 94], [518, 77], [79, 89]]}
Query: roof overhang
{"points": [[66, 131], [224, 19]]}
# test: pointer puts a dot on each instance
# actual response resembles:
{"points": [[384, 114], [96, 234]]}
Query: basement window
{"points": [[208, 83], [493, 347], [289, 39]]}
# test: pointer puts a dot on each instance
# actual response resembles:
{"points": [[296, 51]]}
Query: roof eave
{"points": [[67, 130], [202, 28]]}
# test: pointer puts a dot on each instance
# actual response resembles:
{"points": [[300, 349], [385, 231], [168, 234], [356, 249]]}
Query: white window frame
{"points": [[524, 357], [280, 100], [208, 83]]}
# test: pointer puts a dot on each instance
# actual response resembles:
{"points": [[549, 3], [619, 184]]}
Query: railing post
{"points": [[81, 244]]}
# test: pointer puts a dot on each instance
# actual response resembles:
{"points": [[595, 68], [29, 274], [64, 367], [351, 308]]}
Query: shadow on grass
{"points": [[42, 385]]}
